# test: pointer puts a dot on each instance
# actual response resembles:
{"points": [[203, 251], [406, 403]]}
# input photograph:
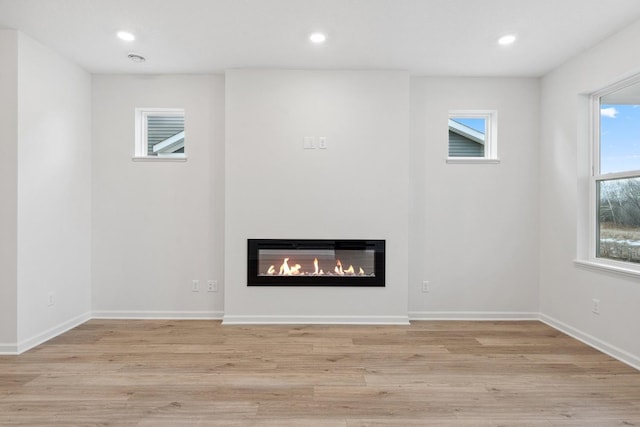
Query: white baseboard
{"points": [[8, 349], [606, 348], [314, 320], [158, 315], [472, 315], [38, 339]]}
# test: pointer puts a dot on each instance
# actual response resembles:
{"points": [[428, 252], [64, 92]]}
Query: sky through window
{"points": [[619, 138]]}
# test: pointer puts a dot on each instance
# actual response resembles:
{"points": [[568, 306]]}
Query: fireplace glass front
{"points": [[303, 262]]}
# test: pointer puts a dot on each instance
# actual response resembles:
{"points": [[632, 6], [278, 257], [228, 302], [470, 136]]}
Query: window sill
{"points": [[472, 160], [607, 268], [158, 159]]}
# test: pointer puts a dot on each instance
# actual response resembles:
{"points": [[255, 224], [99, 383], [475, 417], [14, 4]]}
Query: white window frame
{"points": [[491, 135], [141, 127], [593, 261]]}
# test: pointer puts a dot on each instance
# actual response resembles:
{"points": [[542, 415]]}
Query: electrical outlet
{"points": [[50, 300], [212, 286], [322, 142], [425, 286], [595, 307], [195, 284]]}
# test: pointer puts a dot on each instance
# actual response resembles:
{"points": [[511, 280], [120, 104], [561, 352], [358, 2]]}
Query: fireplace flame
{"points": [[349, 271], [296, 269], [284, 268]]}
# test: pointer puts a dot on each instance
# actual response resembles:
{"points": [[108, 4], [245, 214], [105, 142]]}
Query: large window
{"points": [[616, 174], [160, 133]]}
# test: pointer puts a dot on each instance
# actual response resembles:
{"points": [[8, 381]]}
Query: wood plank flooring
{"points": [[200, 373]]}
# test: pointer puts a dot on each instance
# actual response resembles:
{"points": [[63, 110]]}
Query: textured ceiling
{"points": [[426, 37]]}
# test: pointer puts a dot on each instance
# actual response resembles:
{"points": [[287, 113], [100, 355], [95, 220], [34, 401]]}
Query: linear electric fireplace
{"points": [[286, 262]]}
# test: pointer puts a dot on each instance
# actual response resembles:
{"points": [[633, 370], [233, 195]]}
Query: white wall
{"points": [[356, 188], [566, 290], [8, 190], [157, 225], [474, 227], [54, 199]]}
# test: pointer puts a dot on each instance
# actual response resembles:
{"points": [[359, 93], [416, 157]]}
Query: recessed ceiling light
{"points": [[507, 40], [126, 36], [136, 57], [317, 37]]}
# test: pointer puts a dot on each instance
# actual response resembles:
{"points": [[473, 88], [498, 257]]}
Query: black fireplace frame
{"points": [[254, 245]]}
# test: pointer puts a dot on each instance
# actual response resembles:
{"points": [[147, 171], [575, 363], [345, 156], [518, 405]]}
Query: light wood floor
{"points": [[193, 373]]}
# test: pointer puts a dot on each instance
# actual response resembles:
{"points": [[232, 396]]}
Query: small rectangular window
{"points": [[473, 136], [160, 133]]}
